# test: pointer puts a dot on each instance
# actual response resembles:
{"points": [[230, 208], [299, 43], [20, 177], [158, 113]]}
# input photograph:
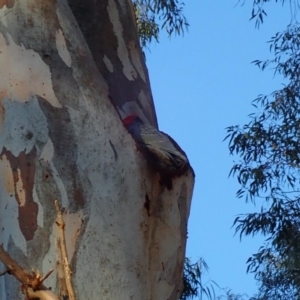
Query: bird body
{"points": [[160, 149]]}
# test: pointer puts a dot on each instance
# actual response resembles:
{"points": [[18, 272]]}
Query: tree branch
{"points": [[63, 249], [32, 284]]}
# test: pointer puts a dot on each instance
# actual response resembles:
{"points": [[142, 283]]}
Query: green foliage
{"points": [[151, 15], [193, 281], [195, 288], [258, 12], [269, 144], [229, 295], [268, 171]]}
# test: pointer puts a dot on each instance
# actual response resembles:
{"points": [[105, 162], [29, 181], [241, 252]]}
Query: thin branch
{"points": [[62, 245], [63, 292], [14, 269], [46, 276], [32, 284]]}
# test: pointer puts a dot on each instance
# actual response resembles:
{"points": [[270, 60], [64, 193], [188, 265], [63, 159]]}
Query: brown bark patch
{"points": [[8, 3], [23, 170], [78, 197], [147, 204]]}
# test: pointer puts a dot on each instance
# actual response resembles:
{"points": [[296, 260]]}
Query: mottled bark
{"points": [[104, 24], [61, 138]]}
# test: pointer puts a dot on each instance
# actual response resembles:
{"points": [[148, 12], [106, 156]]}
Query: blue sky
{"points": [[202, 83]]}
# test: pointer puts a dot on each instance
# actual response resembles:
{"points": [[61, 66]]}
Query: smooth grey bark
{"points": [[61, 138]]}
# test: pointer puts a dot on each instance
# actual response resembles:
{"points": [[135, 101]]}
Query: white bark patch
{"points": [[3, 12], [135, 57], [108, 64], [23, 73], [9, 208], [40, 216], [49, 260], [62, 48], [73, 224], [24, 125], [47, 152], [128, 69]]}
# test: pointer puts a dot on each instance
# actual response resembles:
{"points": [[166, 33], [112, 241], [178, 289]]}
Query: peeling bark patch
{"points": [[128, 69], [8, 3], [73, 226], [24, 73], [28, 219], [134, 53], [23, 171], [7, 175], [114, 150], [62, 48], [108, 64], [62, 149], [48, 151], [147, 204]]}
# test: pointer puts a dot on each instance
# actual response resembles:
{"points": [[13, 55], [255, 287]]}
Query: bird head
{"points": [[130, 119]]}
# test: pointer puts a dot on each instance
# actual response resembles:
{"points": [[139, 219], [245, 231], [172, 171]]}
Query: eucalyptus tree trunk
{"points": [[68, 73]]}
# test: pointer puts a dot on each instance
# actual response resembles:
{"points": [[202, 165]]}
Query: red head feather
{"points": [[129, 119]]}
